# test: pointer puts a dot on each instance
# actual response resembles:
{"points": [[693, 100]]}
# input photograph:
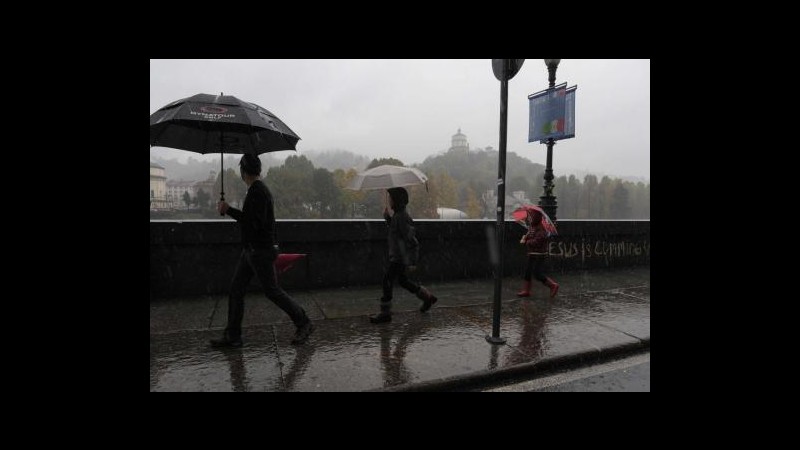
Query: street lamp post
{"points": [[504, 70], [548, 200]]}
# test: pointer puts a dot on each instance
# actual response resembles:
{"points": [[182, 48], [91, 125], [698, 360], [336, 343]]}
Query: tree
{"points": [[604, 192], [562, 200], [187, 198], [326, 196], [291, 187], [520, 183], [352, 201], [620, 207], [447, 194], [572, 193], [235, 188], [640, 201], [422, 201], [385, 161], [473, 209], [590, 194], [202, 198]]}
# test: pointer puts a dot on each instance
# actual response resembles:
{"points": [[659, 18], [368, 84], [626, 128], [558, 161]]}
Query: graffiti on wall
{"points": [[599, 249]]}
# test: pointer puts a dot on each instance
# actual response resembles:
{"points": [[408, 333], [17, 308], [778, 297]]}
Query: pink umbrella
{"points": [[521, 213]]}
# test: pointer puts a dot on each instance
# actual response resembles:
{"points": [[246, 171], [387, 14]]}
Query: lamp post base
{"points": [[495, 340]]}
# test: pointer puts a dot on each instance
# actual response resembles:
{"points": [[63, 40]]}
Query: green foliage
{"points": [[202, 199], [291, 187], [473, 208], [385, 161], [327, 196], [235, 187], [456, 180], [620, 202], [477, 170], [446, 194]]}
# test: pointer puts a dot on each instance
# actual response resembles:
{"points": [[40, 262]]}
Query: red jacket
{"points": [[536, 240]]}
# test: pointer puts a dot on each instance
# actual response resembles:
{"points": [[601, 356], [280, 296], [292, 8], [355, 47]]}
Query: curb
{"points": [[493, 377]]}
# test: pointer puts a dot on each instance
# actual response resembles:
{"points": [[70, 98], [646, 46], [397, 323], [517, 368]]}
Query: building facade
{"points": [[158, 187], [176, 191]]}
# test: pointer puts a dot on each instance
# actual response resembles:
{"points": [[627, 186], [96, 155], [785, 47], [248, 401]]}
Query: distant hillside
{"points": [[337, 159], [478, 169], [196, 170]]}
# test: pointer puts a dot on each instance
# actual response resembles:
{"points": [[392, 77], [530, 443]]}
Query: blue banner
{"points": [[552, 114], [569, 113]]}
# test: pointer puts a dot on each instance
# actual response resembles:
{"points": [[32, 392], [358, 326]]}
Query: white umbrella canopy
{"points": [[386, 177]]}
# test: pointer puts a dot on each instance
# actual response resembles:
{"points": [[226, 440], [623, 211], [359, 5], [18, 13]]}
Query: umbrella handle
{"points": [[221, 174]]}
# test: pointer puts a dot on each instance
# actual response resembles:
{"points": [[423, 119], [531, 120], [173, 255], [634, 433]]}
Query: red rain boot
{"points": [[526, 290], [553, 287]]}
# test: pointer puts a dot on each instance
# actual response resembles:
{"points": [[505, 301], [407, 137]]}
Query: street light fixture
{"points": [[548, 200], [552, 65]]}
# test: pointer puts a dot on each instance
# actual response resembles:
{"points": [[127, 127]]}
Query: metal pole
{"points": [[548, 200], [501, 197]]}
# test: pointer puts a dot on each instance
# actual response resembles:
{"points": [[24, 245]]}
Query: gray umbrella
{"points": [[206, 123], [386, 177]]}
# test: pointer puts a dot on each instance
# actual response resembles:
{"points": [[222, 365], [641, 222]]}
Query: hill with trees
{"points": [[456, 179]]}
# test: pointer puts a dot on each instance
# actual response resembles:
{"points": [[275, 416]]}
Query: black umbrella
{"points": [[206, 123]]}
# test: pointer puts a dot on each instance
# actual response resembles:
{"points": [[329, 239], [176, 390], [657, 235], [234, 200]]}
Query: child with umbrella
{"points": [[540, 229], [403, 253]]}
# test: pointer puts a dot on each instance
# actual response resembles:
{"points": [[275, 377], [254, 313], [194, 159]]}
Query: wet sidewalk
{"points": [[596, 314]]}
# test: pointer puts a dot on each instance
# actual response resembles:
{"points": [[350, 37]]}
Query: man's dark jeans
{"points": [[259, 262]]}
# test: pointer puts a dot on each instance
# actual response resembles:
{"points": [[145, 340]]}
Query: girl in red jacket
{"points": [[535, 242]]}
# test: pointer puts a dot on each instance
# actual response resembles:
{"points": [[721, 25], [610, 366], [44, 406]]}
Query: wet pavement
{"points": [[596, 314]]}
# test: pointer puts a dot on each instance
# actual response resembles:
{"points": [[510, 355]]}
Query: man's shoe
{"points": [[302, 333], [386, 312], [381, 317], [225, 342]]}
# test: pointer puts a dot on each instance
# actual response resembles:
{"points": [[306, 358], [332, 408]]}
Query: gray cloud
{"points": [[409, 109]]}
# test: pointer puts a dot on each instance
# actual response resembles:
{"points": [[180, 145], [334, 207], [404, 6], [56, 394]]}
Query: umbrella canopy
{"points": [[521, 213], [386, 177], [207, 123]]}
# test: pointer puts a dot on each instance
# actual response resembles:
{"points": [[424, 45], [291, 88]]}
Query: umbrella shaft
{"points": [[221, 173]]}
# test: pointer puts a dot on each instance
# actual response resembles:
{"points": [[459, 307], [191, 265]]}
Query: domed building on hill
{"points": [[459, 142]]}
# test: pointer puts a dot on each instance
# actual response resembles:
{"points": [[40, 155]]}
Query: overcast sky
{"points": [[409, 109]]}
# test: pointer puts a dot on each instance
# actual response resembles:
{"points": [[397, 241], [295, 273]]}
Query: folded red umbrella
{"points": [[286, 261]]}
